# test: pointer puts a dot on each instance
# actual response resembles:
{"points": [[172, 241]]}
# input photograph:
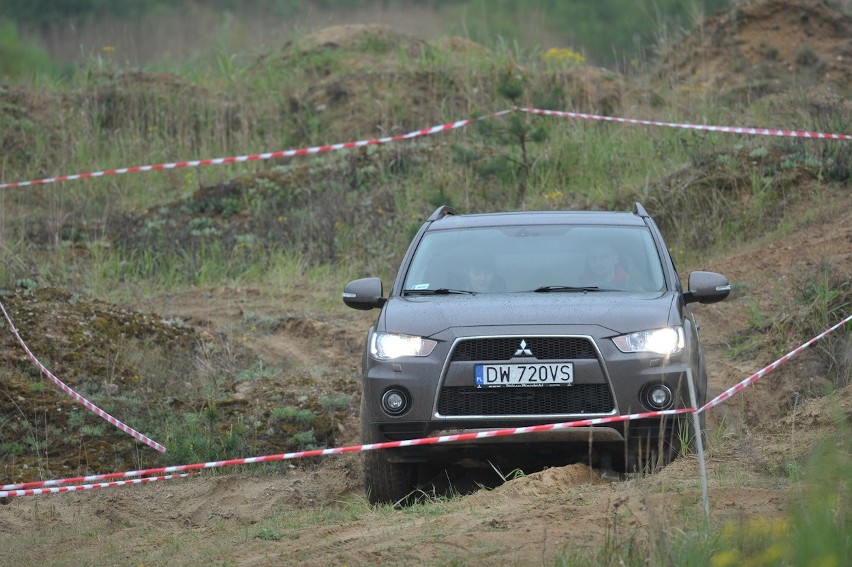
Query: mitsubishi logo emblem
{"points": [[523, 351]]}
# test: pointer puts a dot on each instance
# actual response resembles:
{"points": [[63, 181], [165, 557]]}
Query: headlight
{"points": [[386, 346], [670, 340]]}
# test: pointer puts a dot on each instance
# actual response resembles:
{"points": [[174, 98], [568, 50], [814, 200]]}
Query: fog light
{"points": [[659, 397], [394, 402]]}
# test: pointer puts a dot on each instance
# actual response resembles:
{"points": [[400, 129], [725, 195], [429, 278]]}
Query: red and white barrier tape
{"points": [[729, 129], [33, 488], [57, 490], [769, 368], [255, 157], [68, 390], [13, 489], [427, 132]]}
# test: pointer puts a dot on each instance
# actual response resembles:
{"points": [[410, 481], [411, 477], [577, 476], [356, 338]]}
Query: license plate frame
{"points": [[531, 375]]}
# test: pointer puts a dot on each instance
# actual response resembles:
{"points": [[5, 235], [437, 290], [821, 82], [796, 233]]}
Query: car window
{"points": [[525, 258]]}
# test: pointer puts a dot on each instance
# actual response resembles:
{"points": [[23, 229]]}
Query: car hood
{"points": [[619, 312]]}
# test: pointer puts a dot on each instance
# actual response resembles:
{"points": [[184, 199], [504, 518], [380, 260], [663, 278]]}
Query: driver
{"points": [[603, 267], [482, 276]]}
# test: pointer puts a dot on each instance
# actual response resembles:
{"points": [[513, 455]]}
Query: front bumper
{"points": [[444, 399]]}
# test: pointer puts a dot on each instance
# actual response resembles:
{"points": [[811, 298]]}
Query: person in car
{"points": [[603, 267], [482, 276]]}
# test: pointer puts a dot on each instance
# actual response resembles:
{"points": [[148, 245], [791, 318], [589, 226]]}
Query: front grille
{"points": [[576, 399], [542, 348]]}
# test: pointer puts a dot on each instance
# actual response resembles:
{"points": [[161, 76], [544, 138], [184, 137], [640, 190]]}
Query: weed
{"points": [[266, 323], [559, 56], [807, 57], [26, 283], [719, 432], [259, 372], [76, 419], [335, 403], [268, 534], [92, 430], [292, 414], [511, 475], [215, 360], [306, 440], [201, 439], [12, 449], [759, 152], [825, 297], [753, 338]]}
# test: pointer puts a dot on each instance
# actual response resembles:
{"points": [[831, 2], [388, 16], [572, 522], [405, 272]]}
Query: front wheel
{"points": [[648, 452], [386, 482]]}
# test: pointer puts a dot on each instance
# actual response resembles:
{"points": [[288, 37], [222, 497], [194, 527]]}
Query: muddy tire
{"points": [[649, 454], [386, 482]]}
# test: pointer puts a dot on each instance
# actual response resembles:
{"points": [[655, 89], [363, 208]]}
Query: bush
{"points": [[18, 59]]}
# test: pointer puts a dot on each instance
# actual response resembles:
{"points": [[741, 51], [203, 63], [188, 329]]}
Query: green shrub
{"points": [[292, 414], [200, 438], [17, 58]]}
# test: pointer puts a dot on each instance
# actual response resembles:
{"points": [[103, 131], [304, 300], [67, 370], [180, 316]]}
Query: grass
{"points": [[289, 413], [820, 296], [815, 530], [511, 475]]}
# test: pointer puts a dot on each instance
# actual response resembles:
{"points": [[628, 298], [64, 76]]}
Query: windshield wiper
{"points": [[548, 288], [439, 291]]}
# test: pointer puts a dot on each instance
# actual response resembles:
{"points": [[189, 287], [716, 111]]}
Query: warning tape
{"points": [[256, 157], [427, 132], [729, 129], [70, 391], [57, 490], [14, 489], [769, 368], [37, 487]]}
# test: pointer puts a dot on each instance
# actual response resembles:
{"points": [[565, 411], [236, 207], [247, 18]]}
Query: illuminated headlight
{"points": [[386, 346], [670, 340]]}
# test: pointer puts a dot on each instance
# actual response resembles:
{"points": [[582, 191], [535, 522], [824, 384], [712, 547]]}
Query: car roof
{"points": [[453, 221]]}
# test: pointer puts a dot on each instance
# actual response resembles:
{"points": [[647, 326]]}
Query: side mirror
{"points": [[364, 294], [706, 287]]}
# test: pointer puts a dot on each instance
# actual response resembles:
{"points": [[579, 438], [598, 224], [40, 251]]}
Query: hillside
{"points": [[201, 305]]}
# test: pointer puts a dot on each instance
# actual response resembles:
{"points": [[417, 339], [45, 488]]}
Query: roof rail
{"points": [[441, 212], [640, 210]]}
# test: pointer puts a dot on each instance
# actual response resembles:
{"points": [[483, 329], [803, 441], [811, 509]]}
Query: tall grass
{"points": [[818, 297]]}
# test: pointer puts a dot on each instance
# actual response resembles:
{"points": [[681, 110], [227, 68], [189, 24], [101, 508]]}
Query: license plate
{"points": [[509, 375]]}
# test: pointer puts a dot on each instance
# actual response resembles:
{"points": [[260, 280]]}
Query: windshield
{"points": [[546, 259]]}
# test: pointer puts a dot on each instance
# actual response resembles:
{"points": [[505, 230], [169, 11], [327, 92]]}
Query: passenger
{"points": [[603, 268]]}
